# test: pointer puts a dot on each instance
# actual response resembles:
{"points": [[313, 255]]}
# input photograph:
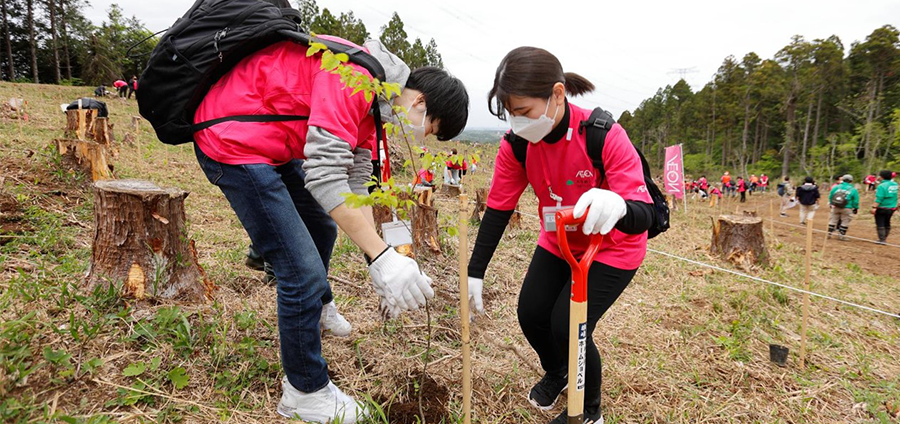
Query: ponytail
{"points": [[531, 72], [577, 85]]}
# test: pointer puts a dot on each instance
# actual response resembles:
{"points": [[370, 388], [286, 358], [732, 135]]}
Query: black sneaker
{"points": [[270, 275], [544, 394], [589, 418], [254, 260]]}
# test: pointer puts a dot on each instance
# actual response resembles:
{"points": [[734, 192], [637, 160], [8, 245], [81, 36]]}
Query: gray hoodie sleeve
{"points": [[332, 169], [361, 173]]}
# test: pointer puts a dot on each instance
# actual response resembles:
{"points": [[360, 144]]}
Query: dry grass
{"points": [[683, 344]]}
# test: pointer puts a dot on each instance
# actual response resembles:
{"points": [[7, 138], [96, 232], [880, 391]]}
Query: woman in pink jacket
{"points": [[531, 88]]}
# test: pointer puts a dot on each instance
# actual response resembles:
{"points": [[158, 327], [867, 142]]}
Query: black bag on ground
{"points": [[206, 43], [597, 126], [89, 103]]}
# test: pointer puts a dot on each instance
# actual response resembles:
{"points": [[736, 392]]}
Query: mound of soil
{"points": [[404, 407], [10, 218]]}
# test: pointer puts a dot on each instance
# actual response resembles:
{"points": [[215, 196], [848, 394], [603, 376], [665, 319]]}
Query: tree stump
{"points": [[101, 131], [480, 204], [141, 243], [381, 214], [79, 123], [451, 190], [87, 155], [425, 228], [739, 239]]}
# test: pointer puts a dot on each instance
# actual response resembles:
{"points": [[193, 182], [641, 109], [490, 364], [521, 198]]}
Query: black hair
{"points": [[531, 72], [886, 175], [808, 180], [787, 178], [445, 98]]}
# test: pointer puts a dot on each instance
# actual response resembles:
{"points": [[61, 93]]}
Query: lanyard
{"points": [[546, 170]]}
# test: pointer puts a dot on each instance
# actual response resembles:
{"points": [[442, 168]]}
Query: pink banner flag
{"points": [[674, 171]]}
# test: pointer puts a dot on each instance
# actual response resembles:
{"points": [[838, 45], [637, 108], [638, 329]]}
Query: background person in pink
{"points": [[285, 182], [121, 86], [532, 88]]}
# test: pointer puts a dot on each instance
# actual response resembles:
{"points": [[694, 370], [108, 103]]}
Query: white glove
{"points": [[606, 209], [398, 280], [475, 287]]}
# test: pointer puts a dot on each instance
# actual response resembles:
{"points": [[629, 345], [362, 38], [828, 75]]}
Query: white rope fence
{"points": [[784, 286], [757, 279], [823, 231]]}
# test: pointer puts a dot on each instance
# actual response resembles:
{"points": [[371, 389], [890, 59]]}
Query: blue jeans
{"points": [[293, 233]]}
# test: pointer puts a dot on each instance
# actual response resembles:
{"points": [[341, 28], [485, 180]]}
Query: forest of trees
{"points": [[393, 35], [816, 108], [51, 42]]}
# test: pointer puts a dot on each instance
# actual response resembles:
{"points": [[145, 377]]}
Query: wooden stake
{"points": [[19, 120], [809, 231], [464, 308], [772, 217]]}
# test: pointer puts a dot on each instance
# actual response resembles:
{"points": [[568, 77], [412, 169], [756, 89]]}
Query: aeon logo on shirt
{"points": [[584, 174], [583, 178]]}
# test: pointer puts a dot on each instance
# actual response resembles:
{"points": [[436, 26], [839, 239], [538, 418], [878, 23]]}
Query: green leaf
{"points": [[342, 57], [93, 364], [154, 363], [178, 377], [134, 369], [56, 357]]}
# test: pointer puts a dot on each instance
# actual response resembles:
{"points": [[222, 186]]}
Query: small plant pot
{"points": [[778, 354]]}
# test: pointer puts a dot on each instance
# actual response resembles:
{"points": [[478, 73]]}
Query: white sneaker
{"points": [[327, 405], [333, 321]]}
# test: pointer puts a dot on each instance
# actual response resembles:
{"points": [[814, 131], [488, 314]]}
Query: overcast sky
{"points": [[628, 49]]}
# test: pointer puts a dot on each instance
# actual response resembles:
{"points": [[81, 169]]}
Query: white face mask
{"points": [[534, 130], [417, 131]]}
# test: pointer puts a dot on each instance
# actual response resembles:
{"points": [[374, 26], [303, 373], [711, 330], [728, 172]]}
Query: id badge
{"points": [[549, 214]]}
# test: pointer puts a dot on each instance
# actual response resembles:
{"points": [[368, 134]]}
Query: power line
{"points": [[683, 71]]}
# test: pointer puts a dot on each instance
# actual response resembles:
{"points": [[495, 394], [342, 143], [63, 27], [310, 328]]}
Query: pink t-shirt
{"points": [[567, 168], [280, 80], [119, 84]]}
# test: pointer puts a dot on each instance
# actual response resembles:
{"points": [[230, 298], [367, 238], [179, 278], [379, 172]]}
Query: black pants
{"points": [[743, 196], [544, 313], [883, 217]]}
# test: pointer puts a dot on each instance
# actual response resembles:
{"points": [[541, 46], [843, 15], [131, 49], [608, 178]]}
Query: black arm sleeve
{"points": [[637, 219], [489, 234]]}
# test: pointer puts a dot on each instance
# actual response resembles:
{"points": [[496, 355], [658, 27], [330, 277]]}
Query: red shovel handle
{"points": [[579, 269]]}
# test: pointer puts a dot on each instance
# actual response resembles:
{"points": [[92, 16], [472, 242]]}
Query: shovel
{"points": [[577, 311]]}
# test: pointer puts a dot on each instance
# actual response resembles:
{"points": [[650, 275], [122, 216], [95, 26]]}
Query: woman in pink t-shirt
{"points": [[530, 85]]}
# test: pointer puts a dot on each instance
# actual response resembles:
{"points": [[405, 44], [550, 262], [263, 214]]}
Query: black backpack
{"points": [[782, 189], [597, 126], [207, 42]]}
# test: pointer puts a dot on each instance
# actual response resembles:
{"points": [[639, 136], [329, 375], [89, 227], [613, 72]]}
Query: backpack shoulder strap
{"points": [[597, 126], [519, 147]]}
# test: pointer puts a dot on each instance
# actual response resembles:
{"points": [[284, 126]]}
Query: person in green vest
{"points": [[844, 200], [885, 205]]}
